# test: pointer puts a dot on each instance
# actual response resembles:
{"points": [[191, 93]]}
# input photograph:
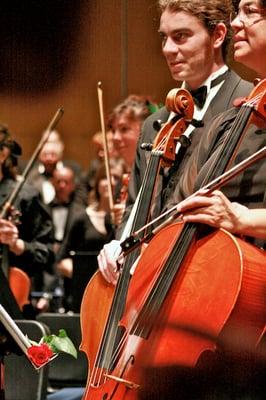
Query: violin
{"points": [[19, 281], [106, 333], [192, 293]]}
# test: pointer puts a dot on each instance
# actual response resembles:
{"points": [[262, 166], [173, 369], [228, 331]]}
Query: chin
{"points": [[178, 75], [242, 57]]}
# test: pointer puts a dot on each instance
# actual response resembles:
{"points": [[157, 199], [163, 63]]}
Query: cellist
{"points": [[195, 40], [240, 207], [243, 207]]}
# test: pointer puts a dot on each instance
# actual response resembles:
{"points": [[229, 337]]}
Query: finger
{"points": [[199, 218], [108, 270], [194, 203]]}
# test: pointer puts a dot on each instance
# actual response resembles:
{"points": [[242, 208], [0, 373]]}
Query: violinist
{"points": [[195, 38], [125, 122], [240, 206], [90, 228], [28, 245], [124, 125]]}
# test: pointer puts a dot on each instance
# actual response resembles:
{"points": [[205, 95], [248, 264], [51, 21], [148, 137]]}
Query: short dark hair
{"points": [[6, 140], [209, 12]]}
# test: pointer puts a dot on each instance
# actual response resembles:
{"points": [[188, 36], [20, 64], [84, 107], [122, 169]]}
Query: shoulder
{"points": [[79, 218], [240, 86], [29, 192]]}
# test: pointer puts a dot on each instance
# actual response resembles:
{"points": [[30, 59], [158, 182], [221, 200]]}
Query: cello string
{"points": [[127, 333], [132, 324]]}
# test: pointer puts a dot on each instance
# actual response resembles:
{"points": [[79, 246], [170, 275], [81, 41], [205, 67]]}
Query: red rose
{"points": [[39, 354]]}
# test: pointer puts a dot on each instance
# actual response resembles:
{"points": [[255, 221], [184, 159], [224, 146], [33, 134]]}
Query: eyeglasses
{"points": [[248, 15]]}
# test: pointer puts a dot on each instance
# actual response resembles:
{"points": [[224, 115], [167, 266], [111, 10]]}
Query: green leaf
{"points": [[61, 343]]}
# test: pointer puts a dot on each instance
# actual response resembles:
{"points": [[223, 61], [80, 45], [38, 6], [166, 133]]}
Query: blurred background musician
{"points": [[90, 229], [29, 246], [50, 288], [51, 158]]}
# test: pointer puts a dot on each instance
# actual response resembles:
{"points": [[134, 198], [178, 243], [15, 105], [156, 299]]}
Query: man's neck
{"points": [[200, 82]]}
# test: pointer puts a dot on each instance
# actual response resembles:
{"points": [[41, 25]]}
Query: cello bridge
{"points": [[128, 384]]}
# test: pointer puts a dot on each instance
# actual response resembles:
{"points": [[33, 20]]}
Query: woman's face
{"points": [[116, 176], [249, 38], [125, 136]]}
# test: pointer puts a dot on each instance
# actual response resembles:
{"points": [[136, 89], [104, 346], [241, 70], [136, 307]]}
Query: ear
{"points": [[219, 35]]}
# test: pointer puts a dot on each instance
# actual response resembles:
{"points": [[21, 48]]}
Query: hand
{"points": [[213, 209], [117, 213], [8, 232], [107, 261], [65, 267]]}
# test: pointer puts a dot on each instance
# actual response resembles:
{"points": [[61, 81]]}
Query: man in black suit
{"points": [[27, 245], [194, 42]]}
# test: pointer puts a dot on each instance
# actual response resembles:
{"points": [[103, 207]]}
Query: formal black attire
{"points": [[35, 229], [233, 87], [83, 243], [248, 188]]}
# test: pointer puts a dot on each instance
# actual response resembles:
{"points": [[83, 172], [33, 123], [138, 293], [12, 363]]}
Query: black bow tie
{"points": [[199, 96]]}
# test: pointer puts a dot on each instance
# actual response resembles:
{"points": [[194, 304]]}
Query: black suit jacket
{"points": [[232, 88]]}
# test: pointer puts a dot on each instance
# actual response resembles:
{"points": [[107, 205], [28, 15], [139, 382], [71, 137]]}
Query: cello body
{"points": [[96, 312], [215, 302], [20, 285]]}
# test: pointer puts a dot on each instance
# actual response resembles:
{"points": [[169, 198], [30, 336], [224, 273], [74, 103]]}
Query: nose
{"points": [[117, 135], [169, 46], [237, 23]]}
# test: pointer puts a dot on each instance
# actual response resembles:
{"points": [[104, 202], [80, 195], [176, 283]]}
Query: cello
{"points": [[194, 291], [99, 320]]}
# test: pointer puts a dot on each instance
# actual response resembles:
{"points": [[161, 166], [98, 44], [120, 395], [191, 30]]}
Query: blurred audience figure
{"points": [[51, 158], [63, 211], [87, 180], [90, 230]]}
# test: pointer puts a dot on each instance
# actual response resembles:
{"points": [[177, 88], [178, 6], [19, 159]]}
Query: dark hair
{"points": [[209, 12], [8, 167], [101, 174]]}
